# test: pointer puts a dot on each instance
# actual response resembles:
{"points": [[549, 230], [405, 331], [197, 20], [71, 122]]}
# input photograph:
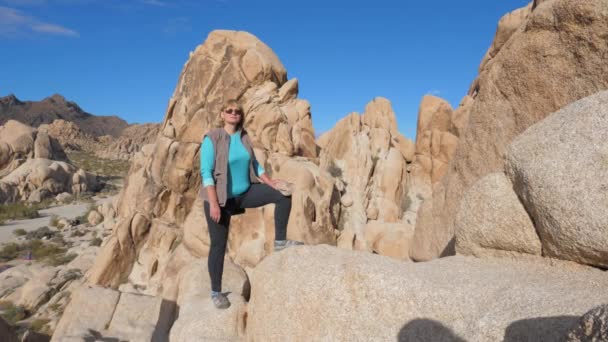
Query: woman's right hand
{"points": [[214, 212]]}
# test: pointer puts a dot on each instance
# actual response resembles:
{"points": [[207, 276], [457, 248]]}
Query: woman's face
{"points": [[232, 115]]}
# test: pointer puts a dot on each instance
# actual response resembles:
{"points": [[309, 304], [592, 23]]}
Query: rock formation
{"points": [[123, 147], [557, 169], [43, 288], [543, 57], [56, 107], [19, 142], [130, 141], [70, 136], [370, 159], [500, 177], [436, 140], [159, 206], [33, 166], [331, 294]]}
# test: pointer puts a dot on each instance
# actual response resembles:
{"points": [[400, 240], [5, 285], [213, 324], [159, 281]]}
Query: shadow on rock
{"points": [[422, 330], [169, 312], [540, 329], [94, 336]]}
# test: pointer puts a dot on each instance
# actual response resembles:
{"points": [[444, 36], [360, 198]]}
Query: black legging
{"points": [[257, 196]]}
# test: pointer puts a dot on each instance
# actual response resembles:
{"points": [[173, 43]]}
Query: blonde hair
{"points": [[231, 103]]}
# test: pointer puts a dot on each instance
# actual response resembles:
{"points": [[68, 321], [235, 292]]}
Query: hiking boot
{"points": [[280, 245], [220, 300]]}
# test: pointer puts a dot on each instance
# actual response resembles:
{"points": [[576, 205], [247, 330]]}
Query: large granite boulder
{"points": [[96, 313], [545, 57], [198, 319], [492, 221], [40, 178], [325, 293], [559, 169], [20, 142]]}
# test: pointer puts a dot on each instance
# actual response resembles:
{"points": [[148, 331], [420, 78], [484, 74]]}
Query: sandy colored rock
{"points": [[130, 141], [35, 290], [141, 318], [433, 113], [492, 221], [123, 145], [164, 180], [541, 68], [19, 142], [94, 217], [401, 299], [507, 26], [90, 309], [20, 137], [460, 115], [49, 176], [64, 197], [198, 318], [389, 239], [367, 154], [15, 277], [559, 168]]}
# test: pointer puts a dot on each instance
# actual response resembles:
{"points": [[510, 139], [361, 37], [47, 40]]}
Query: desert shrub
{"points": [[58, 239], [9, 251], [54, 222], [5, 304], [78, 233], [39, 325], [96, 242], [18, 211], [12, 313], [40, 233], [19, 232], [47, 252], [55, 307], [91, 163], [60, 259]]}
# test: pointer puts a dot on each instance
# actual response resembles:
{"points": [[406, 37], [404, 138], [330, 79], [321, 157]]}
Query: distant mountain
{"points": [[36, 113]]}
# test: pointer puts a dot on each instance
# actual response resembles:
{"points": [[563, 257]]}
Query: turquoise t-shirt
{"points": [[238, 165]]}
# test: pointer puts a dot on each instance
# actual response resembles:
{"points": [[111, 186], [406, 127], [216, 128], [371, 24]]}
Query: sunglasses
{"points": [[233, 111]]}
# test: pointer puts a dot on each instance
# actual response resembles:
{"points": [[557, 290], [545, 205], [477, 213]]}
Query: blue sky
{"points": [[123, 57]]}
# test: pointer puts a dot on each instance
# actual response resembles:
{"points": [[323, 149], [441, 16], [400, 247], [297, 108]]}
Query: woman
{"points": [[230, 173]]}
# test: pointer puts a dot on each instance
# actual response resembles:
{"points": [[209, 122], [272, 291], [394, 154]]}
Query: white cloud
{"points": [[24, 2], [15, 23], [54, 29]]}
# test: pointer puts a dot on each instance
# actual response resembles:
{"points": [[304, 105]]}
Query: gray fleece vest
{"points": [[221, 145]]}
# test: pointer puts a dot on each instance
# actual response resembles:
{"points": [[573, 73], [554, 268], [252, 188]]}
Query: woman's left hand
{"points": [[269, 181], [274, 182]]}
